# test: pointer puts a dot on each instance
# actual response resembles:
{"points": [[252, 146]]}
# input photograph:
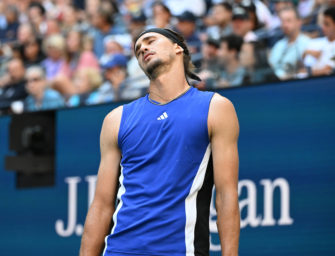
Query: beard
{"points": [[153, 69]]}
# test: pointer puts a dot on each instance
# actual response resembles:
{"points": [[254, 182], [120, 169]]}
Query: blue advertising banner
{"points": [[286, 181]]}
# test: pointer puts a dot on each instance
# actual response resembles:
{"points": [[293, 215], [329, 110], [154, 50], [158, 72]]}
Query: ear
{"points": [[178, 49]]}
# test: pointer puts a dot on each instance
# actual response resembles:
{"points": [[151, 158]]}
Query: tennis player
{"points": [[171, 144]]}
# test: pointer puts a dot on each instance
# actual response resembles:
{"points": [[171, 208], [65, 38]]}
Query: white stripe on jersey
{"points": [[121, 191], [191, 203]]}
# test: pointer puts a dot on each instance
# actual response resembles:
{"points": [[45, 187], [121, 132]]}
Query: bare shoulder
{"points": [[222, 114], [111, 124], [220, 104], [114, 115]]}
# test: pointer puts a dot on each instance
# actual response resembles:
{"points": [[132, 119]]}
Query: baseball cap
{"points": [[241, 13], [138, 17], [187, 16], [116, 60]]}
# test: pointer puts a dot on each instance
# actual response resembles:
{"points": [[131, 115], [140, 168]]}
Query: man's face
{"points": [[328, 27], [160, 13], [209, 51], [220, 14], [290, 24], [186, 28], [224, 53], [35, 83], [16, 70], [154, 51], [241, 26]]}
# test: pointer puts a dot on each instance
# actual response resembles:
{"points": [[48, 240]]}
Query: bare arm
{"points": [[224, 130], [99, 217]]}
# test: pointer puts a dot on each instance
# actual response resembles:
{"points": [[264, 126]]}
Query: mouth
{"points": [[146, 56]]}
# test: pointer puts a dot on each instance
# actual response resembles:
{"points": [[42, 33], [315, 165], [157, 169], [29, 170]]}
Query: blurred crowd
{"points": [[63, 53]]}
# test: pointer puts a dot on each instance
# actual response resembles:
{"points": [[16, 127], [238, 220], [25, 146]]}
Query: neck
{"points": [[223, 24], [331, 38], [39, 97], [168, 85], [233, 65], [105, 28], [293, 37]]}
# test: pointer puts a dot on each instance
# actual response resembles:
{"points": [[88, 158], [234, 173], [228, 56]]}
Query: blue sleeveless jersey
{"points": [[166, 178]]}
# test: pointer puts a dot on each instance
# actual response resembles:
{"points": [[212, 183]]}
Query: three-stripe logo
{"points": [[163, 116]]}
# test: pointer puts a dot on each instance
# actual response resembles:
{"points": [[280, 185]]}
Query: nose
{"points": [[144, 49]]}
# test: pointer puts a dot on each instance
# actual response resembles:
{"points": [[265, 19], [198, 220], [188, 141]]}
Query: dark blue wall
{"points": [[287, 133]]}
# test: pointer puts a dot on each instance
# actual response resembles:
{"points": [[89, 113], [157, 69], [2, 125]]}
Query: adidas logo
{"points": [[162, 116]]}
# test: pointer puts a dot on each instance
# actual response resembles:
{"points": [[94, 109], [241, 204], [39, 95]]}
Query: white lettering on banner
{"points": [[269, 187], [72, 227], [72, 209], [250, 203]]}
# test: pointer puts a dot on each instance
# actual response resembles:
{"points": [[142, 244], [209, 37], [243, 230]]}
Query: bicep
{"points": [[110, 161], [224, 129]]}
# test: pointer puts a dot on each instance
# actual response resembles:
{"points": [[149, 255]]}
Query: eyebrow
{"points": [[145, 39]]}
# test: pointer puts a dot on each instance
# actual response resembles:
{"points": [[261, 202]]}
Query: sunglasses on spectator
{"points": [[30, 43], [34, 79]]}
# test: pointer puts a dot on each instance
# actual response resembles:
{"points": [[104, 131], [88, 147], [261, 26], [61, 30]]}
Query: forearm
{"points": [[97, 226], [228, 222]]}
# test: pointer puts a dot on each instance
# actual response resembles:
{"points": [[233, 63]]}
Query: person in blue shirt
{"points": [[103, 23], [286, 55], [172, 145], [233, 72], [40, 96]]}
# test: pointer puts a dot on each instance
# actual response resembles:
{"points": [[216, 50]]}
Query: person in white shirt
{"points": [[319, 58]]}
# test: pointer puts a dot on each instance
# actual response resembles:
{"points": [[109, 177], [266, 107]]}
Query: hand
{"points": [[314, 53]]}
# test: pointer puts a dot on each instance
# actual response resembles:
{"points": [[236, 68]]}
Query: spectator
{"points": [[220, 21], [9, 33], [252, 11], [253, 57], [210, 69], [278, 5], [70, 19], [36, 15], [320, 54], [286, 55], [103, 24], [111, 47], [187, 27], [54, 46], [75, 55], [52, 27], [3, 22], [40, 96], [161, 16], [233, 73], [137, 23], [243, 24], [115, 87], [25, 33], [31, 52], [86, 81], [12, 84], [261, 11]]}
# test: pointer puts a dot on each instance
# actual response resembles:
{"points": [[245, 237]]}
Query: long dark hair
{"points": [[188, 65]]}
